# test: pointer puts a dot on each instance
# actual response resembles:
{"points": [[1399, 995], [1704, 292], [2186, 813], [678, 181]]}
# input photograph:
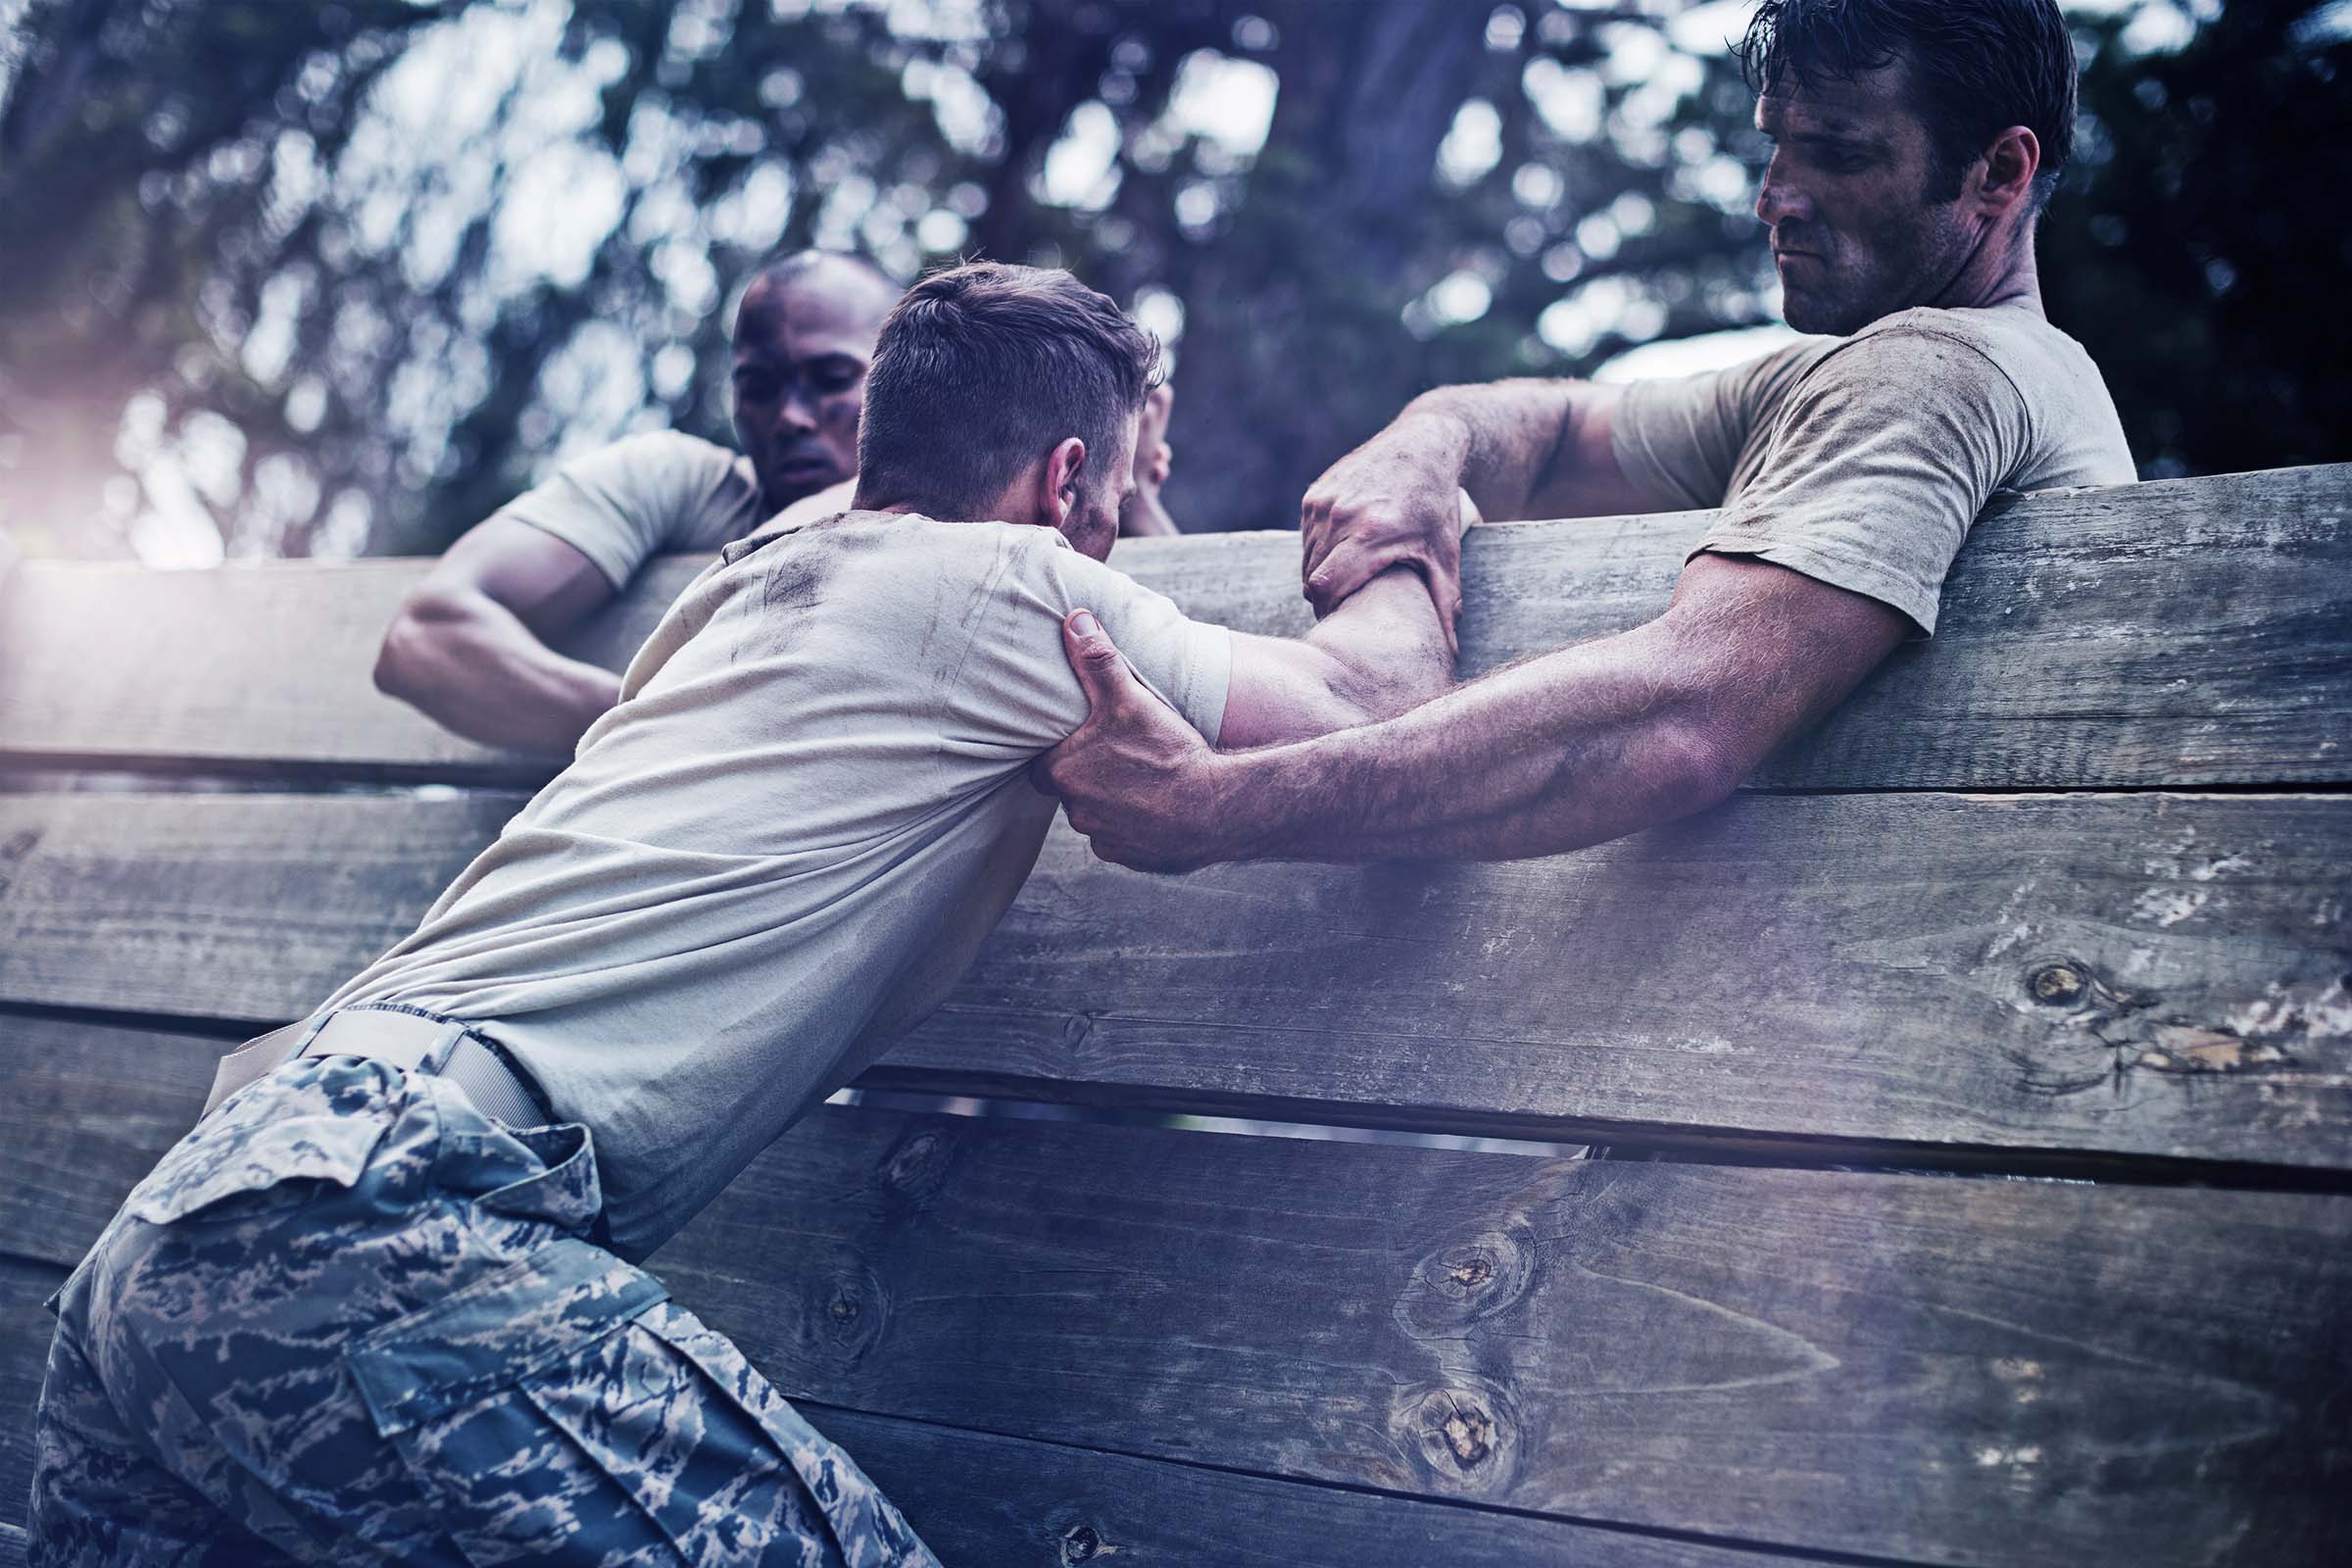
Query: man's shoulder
{"points": [[2004, 367], [2077, 436], [673, 456], [693, 494], [900, 557], [658, 472], [2017, 341], [1928, 358]]}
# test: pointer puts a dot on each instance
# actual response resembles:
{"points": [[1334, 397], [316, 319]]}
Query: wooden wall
{"points": [[1976, 1085]]}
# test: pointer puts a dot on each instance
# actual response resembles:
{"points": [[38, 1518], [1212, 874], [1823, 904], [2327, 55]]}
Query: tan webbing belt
{"points": [[405, 1040]]}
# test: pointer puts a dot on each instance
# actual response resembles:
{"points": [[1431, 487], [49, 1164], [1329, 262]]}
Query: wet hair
{"points": [[980, 370], [1972, 68]]}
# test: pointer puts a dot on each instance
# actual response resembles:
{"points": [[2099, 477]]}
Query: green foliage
{"points": [[347, 275], [2202, 251]]}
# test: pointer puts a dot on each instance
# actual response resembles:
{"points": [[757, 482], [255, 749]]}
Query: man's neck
{"points": [[1999, 271]]}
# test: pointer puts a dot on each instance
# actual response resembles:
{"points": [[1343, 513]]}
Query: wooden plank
{"points": [[89, 1110], [976, 1498], [1941, 1369], [25, 1325], [2144, 974], [1952, 1369], [2193, 631], [236, 906], [262, 665], [981, 1498], [91, 1107]]}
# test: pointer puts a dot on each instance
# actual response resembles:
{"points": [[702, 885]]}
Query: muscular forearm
{"points": [[1388, 644], [1571, 749], [1503, 440], [1561, 752], [1379, 652], [471, 665]]}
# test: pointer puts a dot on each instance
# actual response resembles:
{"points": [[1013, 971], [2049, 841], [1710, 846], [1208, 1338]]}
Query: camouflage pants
{"points": [[348, 1319]]}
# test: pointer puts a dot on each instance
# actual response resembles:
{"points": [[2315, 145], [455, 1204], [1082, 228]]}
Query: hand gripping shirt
{"points": [[1862, 461], [786, 842]]}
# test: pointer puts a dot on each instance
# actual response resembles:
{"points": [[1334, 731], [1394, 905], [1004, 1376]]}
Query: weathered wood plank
{"points": [[229, 906], [980, 1498], [2140, 974], [261, 664], [89, 1110], [1957, 1370], [25, 1326], [92, 1107], [1944, 1369], [2194, 631]]}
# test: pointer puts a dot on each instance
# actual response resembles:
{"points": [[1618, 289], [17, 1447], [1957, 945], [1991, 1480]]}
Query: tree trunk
{"points": [[1294, 351]]}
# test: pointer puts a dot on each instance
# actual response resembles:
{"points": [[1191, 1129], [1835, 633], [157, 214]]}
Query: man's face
{"points": [[801, 349], [1854, 231], [1105, 486]]}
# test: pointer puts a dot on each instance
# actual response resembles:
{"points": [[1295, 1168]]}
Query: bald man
{"points": [[469, 644]]}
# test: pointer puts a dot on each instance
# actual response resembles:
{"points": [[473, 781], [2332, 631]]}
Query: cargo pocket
{"points": [[311, 1129], [447, 1386], [565, 1410]]}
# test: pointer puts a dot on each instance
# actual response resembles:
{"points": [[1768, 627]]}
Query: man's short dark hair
{"points": [[1974, 69], [978, 373]]}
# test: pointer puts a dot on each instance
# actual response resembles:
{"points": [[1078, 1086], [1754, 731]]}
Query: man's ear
{"points": [[2010, 164], [1057, 481]]}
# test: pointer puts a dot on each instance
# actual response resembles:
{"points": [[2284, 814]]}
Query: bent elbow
{"points": [[1371, 695], [394, 672], [403, 660], [1701, 770]]}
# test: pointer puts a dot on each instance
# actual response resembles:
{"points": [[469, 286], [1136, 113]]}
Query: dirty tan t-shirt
{"points": [[1862, 461], [644, 496], [787, 841]]}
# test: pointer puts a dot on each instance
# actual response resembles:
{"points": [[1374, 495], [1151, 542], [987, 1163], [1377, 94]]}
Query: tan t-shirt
{"points": [[787, 841], [644, 496], [1862, 461]]}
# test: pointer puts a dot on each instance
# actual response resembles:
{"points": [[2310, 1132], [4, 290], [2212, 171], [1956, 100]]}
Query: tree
{"points": [[2201, 253], [351, 274]]}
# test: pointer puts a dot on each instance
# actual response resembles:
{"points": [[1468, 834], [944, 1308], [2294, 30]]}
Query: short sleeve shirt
{"points": [[648, 495], [787, 841], [1862, 461]]}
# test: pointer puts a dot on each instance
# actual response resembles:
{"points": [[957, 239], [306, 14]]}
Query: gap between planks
{"points": [[883, 1088]]}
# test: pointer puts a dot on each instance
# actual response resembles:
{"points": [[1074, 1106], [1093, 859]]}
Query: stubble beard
{"points": [[1908, 268]]}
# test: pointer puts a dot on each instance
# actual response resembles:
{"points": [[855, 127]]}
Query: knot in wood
{"points": [[2057, 984], [1469, 1432], [1481, 1273], [1471, 1271], [1465, 1432], [908, 1161], [917, 1171], [1079, 1543], [846, 1307]]}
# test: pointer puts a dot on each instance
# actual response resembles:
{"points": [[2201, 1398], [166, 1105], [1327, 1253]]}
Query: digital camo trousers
{"points": [[348, 1319]]}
